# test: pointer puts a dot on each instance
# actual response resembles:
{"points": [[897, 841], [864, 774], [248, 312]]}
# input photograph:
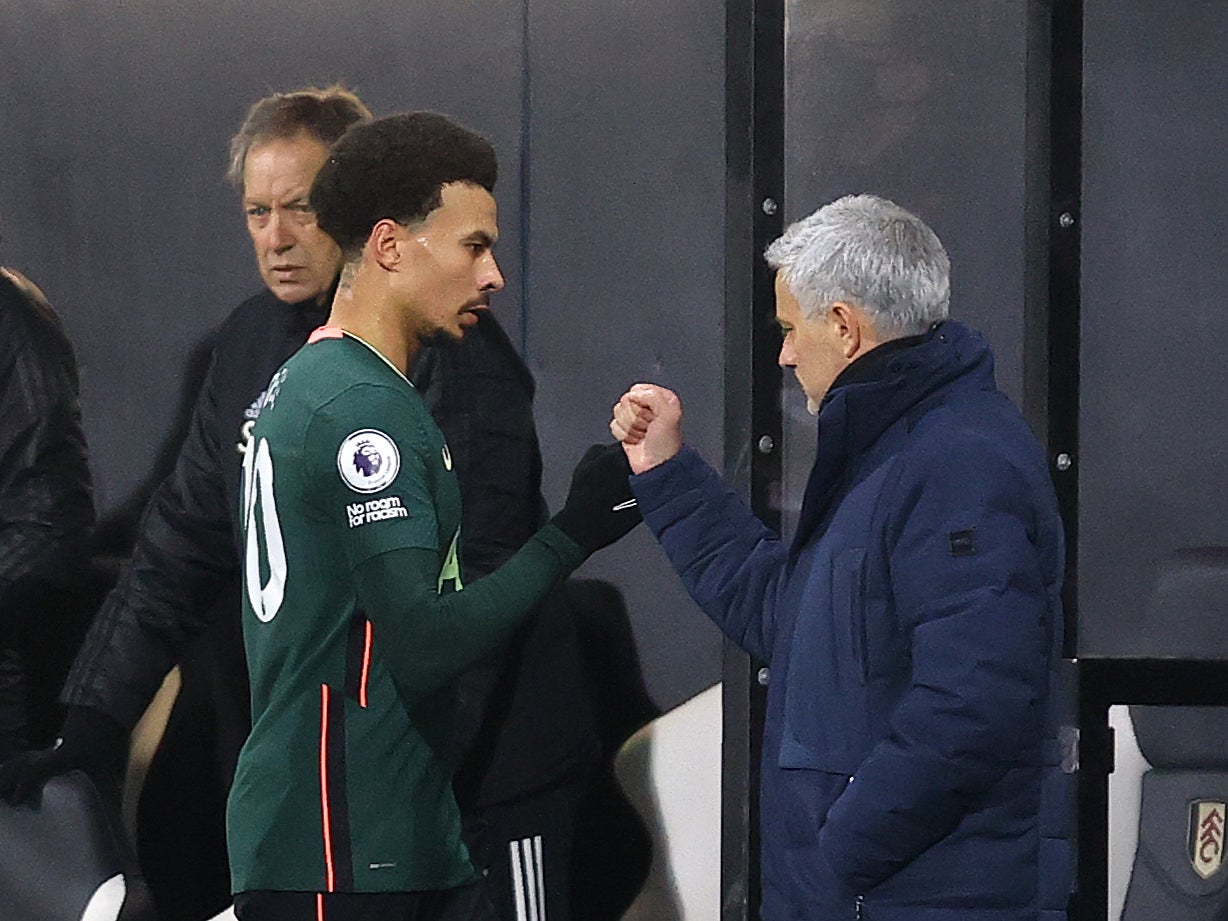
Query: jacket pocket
{"points": [[825, 725], [816, 892], [848, 605]]}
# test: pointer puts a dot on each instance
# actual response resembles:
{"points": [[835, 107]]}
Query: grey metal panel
{"points": [[933, 105], [923, 103], [1153, 563], [625, 263], [115, 122]]}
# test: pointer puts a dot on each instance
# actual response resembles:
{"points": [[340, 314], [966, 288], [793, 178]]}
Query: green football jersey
{"points": [[338, 787]]}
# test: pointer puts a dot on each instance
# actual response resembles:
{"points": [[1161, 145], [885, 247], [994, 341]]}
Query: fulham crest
{"points": [[368, 460], [1206, 847]]}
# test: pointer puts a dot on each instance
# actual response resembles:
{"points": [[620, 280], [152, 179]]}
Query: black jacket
{"points": [[46, 505], [186, 548]]}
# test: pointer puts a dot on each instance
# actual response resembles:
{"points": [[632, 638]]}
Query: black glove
{"points": [[600, 507], [89, 741]]}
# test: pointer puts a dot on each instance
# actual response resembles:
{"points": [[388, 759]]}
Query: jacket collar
{"points": [[874, 364], [876, 391], [309, 314]]}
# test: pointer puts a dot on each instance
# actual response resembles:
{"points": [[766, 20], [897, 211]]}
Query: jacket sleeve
{"points": [[970, 593], [428, 638], [480, 395], [729, 561], [185, 550], [45, 490]]}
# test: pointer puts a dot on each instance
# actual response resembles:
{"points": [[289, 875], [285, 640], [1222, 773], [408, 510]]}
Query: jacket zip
{"points": [[860, 905]]}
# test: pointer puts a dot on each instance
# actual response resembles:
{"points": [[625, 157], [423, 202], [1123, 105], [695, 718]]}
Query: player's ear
{"points": [[383, 243]]}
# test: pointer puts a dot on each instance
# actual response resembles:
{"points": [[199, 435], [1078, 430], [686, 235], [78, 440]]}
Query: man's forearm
{"points": [[26, 548], [728, 560], [163, 599], [429, 638]]}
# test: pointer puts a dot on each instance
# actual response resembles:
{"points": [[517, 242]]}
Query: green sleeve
{"points": [[427, 638]]}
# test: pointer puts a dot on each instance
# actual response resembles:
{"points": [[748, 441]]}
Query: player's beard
{"points": [[438, 337]]}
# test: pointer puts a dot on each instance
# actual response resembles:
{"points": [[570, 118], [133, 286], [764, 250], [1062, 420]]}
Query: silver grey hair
{"points": [[871, 253]]}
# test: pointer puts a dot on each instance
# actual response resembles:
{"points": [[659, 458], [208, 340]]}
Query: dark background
{"points": [[940, 107], [1153, 424]]}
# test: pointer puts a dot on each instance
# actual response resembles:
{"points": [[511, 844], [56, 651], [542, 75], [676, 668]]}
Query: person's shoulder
{"points": [[985, 419], [485, 350], [339, 372], [23, 288], [489, 330], [245, 325], [333, 397], [984, 425], [978, 450], [263, 331], [26, 316], [494, 340], [16, 310], [256, 312], [264, 314], [24, 297]]}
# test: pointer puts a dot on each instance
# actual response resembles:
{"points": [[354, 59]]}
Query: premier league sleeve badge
{"points": [[368, 461]]}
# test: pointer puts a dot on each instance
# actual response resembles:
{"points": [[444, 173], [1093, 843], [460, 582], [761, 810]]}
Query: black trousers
{"points": [[523, 851]]}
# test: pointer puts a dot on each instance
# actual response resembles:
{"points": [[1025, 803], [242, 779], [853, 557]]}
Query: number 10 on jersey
{"points": [[264, 550]]}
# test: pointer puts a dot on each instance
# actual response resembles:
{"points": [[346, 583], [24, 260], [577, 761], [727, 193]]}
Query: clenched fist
{"points": [[648, 421]]}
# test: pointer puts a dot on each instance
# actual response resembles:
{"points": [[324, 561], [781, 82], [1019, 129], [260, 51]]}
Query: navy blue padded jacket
{"points": [[910, 768]]}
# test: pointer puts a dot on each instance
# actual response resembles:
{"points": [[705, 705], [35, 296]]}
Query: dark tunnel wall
{"points": [[930, 105], [625, 261], [941, 108], [1153, 513], [114, 120]]}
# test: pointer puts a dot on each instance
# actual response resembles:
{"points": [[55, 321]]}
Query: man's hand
{"points": [[600, 507], [90, 741], [648, 422]]}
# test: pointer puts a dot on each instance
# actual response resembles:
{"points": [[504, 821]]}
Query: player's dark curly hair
{"points": [[395, 167]]}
